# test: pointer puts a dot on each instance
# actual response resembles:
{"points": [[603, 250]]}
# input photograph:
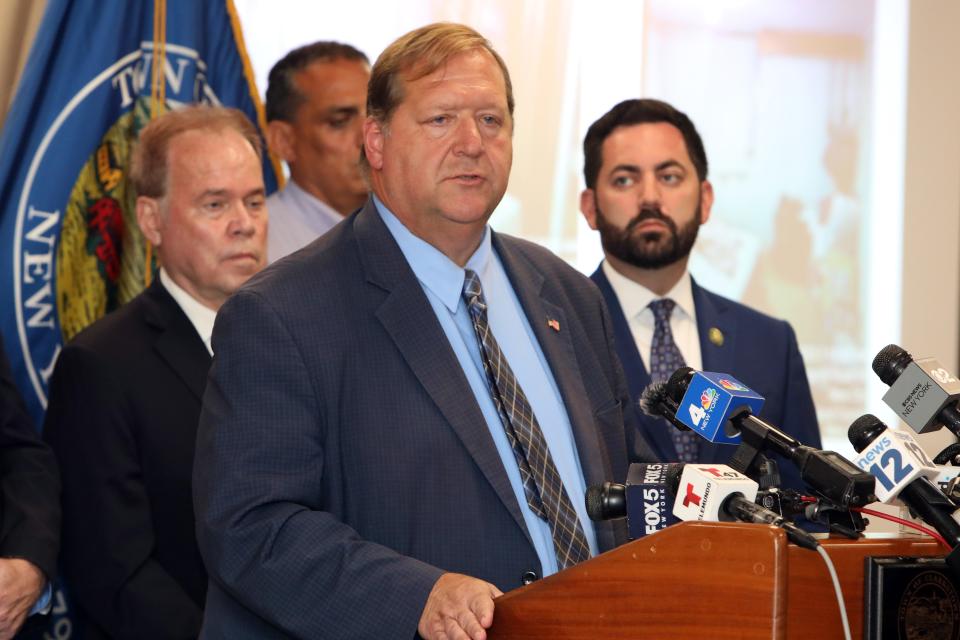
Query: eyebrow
{"points": [[216, 193], [345, 110], [454, 106], [632, 168]]}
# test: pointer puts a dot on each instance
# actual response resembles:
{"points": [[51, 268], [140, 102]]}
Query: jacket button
{"points": [[528, 577]]}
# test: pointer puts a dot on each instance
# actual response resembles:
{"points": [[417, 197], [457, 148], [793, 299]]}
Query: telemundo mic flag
{"points": [[98, 71]]}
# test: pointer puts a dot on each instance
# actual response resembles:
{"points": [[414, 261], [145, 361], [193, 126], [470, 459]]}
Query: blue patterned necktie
{"points": [[665, 358], [541, 480]]}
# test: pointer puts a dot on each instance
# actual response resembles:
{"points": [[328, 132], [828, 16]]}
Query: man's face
{"points": [[648, 203], [210, 229], [442, 161], [326, 132]]}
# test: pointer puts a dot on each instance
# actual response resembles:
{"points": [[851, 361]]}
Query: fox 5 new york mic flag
{"points": [[98, 71]]}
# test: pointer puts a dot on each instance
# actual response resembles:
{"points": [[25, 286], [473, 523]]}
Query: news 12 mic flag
{"points": [[98, 72]]}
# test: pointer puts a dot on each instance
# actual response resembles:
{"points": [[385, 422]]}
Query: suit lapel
{"points": [[409, 319], [657, 431], [718, 336], [177, 342]]}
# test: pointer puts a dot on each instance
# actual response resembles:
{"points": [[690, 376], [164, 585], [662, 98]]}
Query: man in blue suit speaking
{"points": [[647, 194], [402, 417]]}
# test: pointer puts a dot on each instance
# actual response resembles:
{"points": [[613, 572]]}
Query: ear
{"points": [[373, 137], [149, 218], [706, 201], [588, 207], [280, 140]]}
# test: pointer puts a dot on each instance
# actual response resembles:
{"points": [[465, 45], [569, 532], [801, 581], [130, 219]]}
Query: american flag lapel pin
{"points": [[553, 324]]}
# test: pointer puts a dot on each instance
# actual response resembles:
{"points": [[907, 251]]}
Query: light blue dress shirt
{"points": [[442, 282], [42, 605], [296, 218]]}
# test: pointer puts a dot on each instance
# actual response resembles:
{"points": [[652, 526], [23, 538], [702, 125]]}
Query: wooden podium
{"points": [[702, 580]]}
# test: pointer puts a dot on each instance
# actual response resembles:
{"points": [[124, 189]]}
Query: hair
{"points": [[283, 95], [149, 162], [631, 112], [418, 54]]}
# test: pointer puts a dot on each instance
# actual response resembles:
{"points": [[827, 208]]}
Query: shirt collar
{"points": [[200, 316], [435, 271], [634, 298]]}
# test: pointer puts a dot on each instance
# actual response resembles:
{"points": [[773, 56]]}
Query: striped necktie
{"points": [[542, 485]]}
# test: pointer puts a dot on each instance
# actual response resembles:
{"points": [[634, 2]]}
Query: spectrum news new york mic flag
{"points": [[98, 72]]}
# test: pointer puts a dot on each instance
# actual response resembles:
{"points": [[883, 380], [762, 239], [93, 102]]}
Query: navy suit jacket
{"points": [[758, 350], [122, 418], [342, 461]]}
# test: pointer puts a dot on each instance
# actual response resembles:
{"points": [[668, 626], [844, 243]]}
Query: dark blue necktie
{"points": [[665, 358], [541, 481]]}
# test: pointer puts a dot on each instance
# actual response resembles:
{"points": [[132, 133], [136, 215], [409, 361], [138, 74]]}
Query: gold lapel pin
{"points": [[553, 324], [716, 336]]}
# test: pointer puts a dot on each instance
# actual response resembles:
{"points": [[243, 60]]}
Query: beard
{"points": [[651, 250]]}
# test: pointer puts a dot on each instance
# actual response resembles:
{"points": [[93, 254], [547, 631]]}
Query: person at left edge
{"points": [[125, 393], [353, 477], [29, 511]]}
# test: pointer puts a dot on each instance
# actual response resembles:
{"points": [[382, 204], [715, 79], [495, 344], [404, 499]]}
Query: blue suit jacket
{"points": [[758, 350], [342, 461]]}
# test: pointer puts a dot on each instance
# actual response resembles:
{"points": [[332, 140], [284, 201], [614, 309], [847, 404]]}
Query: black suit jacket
{"points": [[29, 483], [122, 418], [758, 350], [342, 461]]}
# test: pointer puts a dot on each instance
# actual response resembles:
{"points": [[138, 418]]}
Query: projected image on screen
{"points": [[781, 94]]}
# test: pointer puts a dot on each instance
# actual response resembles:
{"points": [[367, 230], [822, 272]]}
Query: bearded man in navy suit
{"points": [[647, 194], [354, 475]]}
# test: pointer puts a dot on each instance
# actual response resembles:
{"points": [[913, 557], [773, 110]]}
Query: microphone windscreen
{"points": [[651, 400], [864, 430], [889, 363]]}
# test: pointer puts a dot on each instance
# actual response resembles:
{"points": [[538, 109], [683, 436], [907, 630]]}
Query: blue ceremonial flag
{"points": [[99, 70]]}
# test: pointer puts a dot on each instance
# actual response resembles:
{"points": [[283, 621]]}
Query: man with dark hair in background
{"points": [[402, 418], [125, 394], [647, 194], [29, 510], [316, 103]]}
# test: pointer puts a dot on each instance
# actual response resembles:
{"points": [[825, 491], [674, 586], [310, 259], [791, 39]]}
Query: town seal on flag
{"points": [[77, 239]]}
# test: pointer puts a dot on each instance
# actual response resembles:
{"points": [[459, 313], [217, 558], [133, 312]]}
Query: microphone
{"points": [[706, 401], [903, 471], [922, 393], [827, 472], [644, 500], [718, 493], [657, 403]]}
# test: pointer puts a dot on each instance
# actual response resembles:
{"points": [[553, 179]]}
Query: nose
{"points": [[358, 130], [244, 221], [469, 141], [650, 194]]}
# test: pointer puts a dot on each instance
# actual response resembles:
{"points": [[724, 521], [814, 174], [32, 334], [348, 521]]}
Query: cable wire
{"points": [[907, 523], [836, 588]]}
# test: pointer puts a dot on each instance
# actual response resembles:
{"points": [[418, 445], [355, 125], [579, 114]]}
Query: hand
{"points": [[21, 583], [458, 608]]}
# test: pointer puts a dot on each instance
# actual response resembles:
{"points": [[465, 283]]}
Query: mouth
{"points": [[243, 257], [467, 179], [650, 226]]}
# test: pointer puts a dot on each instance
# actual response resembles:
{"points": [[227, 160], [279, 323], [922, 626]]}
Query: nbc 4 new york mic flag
{"points": [[98, 71]]}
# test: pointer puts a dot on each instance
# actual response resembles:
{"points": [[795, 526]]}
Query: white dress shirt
{"points": [[634, 299], [200, 316]]}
